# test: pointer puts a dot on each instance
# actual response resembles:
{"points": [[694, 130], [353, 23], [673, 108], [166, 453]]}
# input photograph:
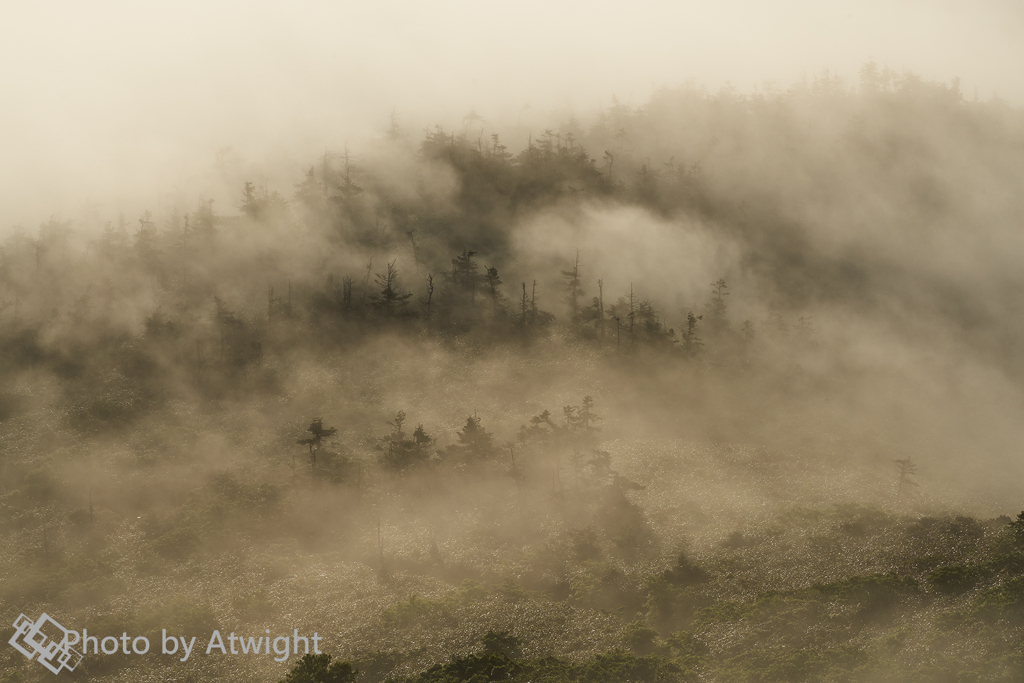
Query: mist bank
{"points": [[126, 106]]}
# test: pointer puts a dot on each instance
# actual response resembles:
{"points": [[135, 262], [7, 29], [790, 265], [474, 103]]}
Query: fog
{"points": [[125, 104], [524, 342]]}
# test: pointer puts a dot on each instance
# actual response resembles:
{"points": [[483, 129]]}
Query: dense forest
{"points": [[724, 387]]}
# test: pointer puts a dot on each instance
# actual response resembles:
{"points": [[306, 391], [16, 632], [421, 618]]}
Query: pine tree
{"points": [[581, 418], [310, 195], [402, 453], [906, 469], [716, 308], [319, 432], [465, 277], [475, 443], [252, 205], [390, 299], [691, 342], [493, 281]]}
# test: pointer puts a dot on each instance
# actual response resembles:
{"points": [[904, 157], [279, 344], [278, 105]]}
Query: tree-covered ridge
{"points": [[785, 173]]}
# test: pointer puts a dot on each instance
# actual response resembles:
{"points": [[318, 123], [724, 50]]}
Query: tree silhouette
{"points": [[464, 276], [311, 197], [390, 299], [690, 341], [402, 453], [598, 306], [715, 310], [573, 288], [493, 281], [251, 204], [319, 432], [475, 444], [906, 470]]}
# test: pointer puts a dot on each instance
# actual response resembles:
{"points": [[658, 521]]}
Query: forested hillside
{"points": [[724, 387]]}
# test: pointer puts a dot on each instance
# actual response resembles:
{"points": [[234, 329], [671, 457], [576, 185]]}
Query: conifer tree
{"points": [[493, 280], [690, 341], [403, 453], [390, 300], [906, 470], [716, 308], [319, 432], [475, 444]]}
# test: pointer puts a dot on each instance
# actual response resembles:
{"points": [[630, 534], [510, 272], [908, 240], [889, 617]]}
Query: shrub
{"points": [[955, 578], [502, 642], [320, 669], [640, 638]]}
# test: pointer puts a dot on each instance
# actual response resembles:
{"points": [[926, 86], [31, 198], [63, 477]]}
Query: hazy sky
{"points": [[124, 101]]}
